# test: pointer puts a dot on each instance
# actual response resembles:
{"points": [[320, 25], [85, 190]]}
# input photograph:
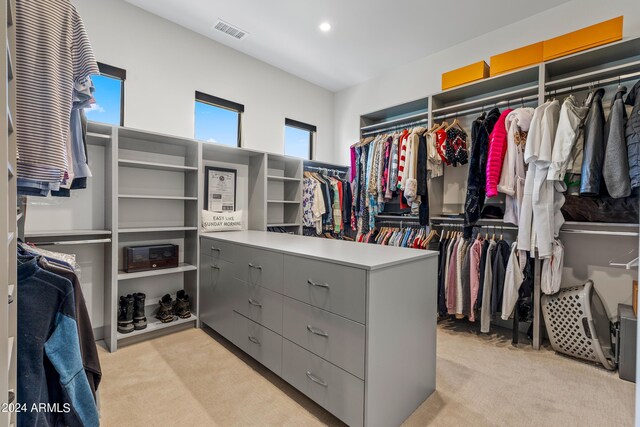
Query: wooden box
{"points": [[517, 58], [583, 39], [467, 74]]}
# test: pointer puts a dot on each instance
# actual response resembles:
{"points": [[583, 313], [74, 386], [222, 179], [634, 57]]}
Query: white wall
{"points": [[167, 63], [423, 76]]}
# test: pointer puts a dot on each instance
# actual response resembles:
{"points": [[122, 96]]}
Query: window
{"points": [[109, 95], [217, 120], [298, 139]]}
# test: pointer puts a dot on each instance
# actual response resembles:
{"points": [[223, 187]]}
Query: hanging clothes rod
{"points": [[489, 100], [599, 232], [481, 108], [394, 121], [459, 224], [592, 85], [325, 170], [396, 127]]}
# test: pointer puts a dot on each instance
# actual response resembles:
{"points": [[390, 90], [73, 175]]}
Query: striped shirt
{"points": [[52, 53]]}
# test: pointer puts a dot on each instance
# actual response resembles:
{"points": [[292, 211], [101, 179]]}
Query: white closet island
{"points": [[352, 326]]}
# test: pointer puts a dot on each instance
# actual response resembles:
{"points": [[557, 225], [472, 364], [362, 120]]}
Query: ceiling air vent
{"points": [[230, 30]]}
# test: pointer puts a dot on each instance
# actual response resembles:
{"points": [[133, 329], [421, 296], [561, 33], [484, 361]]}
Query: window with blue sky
{"points": [[298, 139], [217, 120], [109, 90]]}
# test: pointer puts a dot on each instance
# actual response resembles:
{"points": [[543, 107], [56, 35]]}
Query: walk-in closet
{"points": [[255, 214]]}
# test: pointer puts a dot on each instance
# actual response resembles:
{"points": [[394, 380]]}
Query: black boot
{"points": [[125, 315], [181, 308], [139, 318], [165, 309]]}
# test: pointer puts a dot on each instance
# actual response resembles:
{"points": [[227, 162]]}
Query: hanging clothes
{"points": [[615, 169], [593, 146], [476, 181], [497, 146], [632, 135], [514, 278], [513, 172], [487, 287]]}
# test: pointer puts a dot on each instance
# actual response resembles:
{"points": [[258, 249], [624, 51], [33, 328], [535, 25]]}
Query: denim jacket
{"points": [[50, 368]]}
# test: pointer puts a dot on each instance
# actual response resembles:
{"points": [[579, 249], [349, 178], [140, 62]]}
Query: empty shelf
{"points": [[67, 233], [284, 201], [159, 272], [282, 178], [98, 138], [147, 197], [156, 325], [155, 166], [291, 224], [155, 229]]}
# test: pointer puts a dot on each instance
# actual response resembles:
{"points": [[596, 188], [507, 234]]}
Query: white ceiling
{"points": [[368, 37]]}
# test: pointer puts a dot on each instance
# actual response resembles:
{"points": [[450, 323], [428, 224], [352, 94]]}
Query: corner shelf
{"points": [[156, 166], [159, 272], [156, 325]]}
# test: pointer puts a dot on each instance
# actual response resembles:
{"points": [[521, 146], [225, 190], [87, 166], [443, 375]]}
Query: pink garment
{"points": [[452, 279], [497, 150], [353, 163], [474, 274]]}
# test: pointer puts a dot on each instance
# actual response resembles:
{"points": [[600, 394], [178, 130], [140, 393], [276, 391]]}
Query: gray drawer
{"points": [[332, 287], [217, 296], [259, 342], [260, 305], [340, 341], [219, 250], [260, 267], [336, 390]]}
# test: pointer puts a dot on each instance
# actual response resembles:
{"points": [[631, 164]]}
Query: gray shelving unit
{"points": [[8, 220], [284, 193]]}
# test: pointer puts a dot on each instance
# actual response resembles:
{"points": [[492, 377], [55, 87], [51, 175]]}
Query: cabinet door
{"points": [[217, 295]]}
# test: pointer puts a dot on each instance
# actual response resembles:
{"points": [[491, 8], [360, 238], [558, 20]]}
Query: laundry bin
{"points": [[578, 324]]}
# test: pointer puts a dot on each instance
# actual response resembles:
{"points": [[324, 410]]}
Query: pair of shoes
{"points": [[131, 315], [169, 309]]}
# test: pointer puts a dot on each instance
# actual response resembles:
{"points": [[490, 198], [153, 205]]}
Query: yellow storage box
{"points": [[467, 74], [586, 38], [517, 58]]}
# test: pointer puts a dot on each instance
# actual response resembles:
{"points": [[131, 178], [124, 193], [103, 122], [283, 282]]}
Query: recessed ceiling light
{"points": [[325, 27]]}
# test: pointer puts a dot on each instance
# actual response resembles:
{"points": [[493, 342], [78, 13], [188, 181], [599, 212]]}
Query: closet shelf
{"points": [[155, 166], [155, 229], [284, 201], [98, 138], [155, 325], [289, 224], [282, 178], [66, 233], [148, 197], [160, 272], [590, 76]]}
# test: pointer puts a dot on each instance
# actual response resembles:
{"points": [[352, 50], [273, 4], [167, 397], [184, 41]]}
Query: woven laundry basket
{"points": [[578, 324]]}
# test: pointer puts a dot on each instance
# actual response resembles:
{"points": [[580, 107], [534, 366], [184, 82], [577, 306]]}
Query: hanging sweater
{"points": [[497, 150]]}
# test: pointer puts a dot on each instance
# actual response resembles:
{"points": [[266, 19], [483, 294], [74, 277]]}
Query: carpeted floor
{"points": [[191, 379]]}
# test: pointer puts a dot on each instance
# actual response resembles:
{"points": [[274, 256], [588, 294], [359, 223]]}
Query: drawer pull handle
{"points": [[214, 249], [257, 267], [318, 285], [256, 303], [317, 331], [316, 379], [254, 340]]}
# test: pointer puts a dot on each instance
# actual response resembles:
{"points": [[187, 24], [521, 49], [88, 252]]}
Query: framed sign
{"points": [[220, 189]]}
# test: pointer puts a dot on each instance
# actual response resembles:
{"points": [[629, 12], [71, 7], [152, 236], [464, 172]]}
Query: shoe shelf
{"points": [[154, 324], [181, 268]]}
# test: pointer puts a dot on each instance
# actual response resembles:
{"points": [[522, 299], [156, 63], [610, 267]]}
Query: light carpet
{"points": [[190, 378]]}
